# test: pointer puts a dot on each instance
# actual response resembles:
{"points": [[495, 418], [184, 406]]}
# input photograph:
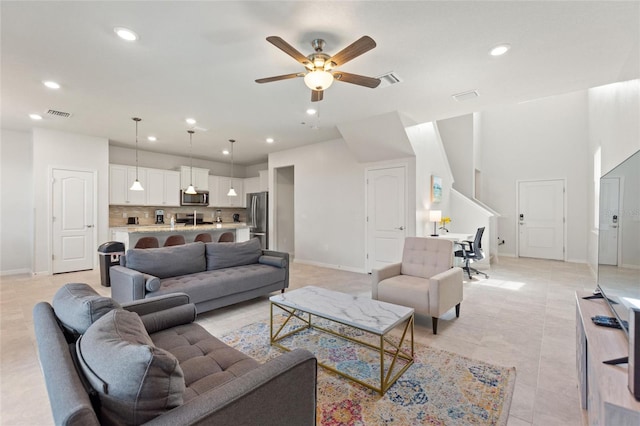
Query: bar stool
{"points": [[204, 237], [147, 242], [226, 237], [174, 240]]}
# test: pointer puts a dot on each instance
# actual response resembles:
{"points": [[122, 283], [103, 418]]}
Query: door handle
{"points": [[89, 226], [401, 228]]}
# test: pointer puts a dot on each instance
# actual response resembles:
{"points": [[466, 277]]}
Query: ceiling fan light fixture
{"points": [[318, 80]]}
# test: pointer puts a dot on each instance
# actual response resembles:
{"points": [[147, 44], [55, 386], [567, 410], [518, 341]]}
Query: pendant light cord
{"points": [[191, 155], [136, 119]]}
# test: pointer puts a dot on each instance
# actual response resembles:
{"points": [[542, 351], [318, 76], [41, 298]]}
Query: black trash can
{"points": [[109, 255]]}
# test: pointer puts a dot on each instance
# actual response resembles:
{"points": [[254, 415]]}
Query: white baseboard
{"points": [[330, 266], [15, 272]]}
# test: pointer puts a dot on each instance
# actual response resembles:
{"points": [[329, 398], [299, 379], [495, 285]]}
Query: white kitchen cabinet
{"points": [[213, 191], [163, 188], [200, 178], [223, 185], [252, 185], [264, 180], [120, 180]]}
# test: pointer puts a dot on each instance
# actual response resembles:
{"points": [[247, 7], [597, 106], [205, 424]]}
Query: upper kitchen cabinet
{"points": [[264, 180], [120, 180], [252, 185], [163, 188], [223, 185], [200, 178]]}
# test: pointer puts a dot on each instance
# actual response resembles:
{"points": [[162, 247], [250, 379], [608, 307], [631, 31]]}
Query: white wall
{"points": [[329, 204], [457, 138], [430, 159], [16, 202], [541, 139], [156, 160], [53, 149]]}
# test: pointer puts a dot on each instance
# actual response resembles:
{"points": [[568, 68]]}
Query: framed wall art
{"points": [[436, 189]]}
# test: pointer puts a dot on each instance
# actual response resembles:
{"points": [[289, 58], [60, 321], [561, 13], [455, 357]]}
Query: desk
{"points": [[456, 238]]}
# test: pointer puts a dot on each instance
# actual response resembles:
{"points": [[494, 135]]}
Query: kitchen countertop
{"points": [[178, 227]]}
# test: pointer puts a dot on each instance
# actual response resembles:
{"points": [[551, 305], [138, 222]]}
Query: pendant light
{"points": [[137, 186], [191, 189], [232, 192]]}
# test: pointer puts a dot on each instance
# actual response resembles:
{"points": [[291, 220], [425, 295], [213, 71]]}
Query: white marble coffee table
{"points": [[362, 313]]}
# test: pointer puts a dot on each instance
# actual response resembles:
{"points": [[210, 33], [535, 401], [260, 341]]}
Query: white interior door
{"points": [[386, 216], [73, 221], [609, 221], [541, 219]]}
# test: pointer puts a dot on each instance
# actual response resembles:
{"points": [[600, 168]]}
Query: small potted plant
{"points": [[443, 223]]}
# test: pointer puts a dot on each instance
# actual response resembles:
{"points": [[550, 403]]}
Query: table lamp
{"points": [[435, 216]]}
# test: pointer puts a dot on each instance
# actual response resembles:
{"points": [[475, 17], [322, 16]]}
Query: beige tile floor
{"points": [[522, 316]]}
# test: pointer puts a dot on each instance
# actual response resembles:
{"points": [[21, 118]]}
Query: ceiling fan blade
{"points": [[280, 77], [288, 49], [360, 80], [355, 49], [316, 95]]}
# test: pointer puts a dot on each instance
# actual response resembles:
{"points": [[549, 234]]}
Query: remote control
{"points": [[605, 321]]}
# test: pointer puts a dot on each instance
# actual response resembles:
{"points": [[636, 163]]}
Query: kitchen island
{"points": [[129, 235]]}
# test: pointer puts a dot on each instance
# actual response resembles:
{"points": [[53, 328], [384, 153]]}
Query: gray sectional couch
{"points": [[147, 362], [212, 274]]}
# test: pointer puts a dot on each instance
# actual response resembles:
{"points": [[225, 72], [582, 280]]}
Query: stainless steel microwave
{"points": [[200, 198]]}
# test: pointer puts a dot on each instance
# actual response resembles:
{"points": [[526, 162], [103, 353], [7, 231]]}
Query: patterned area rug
{"points": [[440, 388]]}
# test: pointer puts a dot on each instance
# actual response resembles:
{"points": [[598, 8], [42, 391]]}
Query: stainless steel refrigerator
{"points": [[258, 217]]}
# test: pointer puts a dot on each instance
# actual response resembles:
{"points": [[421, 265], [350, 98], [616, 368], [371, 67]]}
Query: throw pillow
{"points": [[136, 381], [165, 262], [227, 255], [77, 306]]}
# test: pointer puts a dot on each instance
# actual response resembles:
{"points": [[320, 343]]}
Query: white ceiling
{"points": [[200, 60]]}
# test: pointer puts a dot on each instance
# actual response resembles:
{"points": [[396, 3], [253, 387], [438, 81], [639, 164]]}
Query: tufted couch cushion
{"points": [[77, 306], [426, 257], [136, 381], [166, 262], [227, 255], [205, 361], [222, 282]]}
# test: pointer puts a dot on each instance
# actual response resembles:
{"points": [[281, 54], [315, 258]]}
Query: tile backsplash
{"points": [[118, 215]]}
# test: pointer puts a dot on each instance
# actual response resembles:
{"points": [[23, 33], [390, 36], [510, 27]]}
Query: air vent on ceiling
{"points": [[388, 79], [465, 96], [54, 113]]}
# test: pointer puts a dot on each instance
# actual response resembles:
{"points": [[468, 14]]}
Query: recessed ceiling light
{"points": [[225, 152], [500, 49], [125, 34], [35, 116], [152, 138], [51, 84], [269, 140], [311, 111], [191, 121]]}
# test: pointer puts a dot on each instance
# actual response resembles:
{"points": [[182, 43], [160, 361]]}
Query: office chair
{"points": [[472, 252]]}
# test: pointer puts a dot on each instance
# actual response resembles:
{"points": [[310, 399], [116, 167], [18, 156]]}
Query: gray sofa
{"points": [[212, 274], [146, 362]]}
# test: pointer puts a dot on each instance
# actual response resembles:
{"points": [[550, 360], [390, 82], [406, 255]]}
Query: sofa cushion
{"points": [[77, 306], [136, 380], [227, 255], [219, 283], [206, 361], [170, 261]]}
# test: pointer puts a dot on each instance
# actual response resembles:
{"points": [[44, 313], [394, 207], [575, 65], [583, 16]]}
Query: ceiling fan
{"points": [[321, 67]]}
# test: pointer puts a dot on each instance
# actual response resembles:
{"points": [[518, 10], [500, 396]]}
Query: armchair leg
{"points": [[458, 310], [434, 323]]}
